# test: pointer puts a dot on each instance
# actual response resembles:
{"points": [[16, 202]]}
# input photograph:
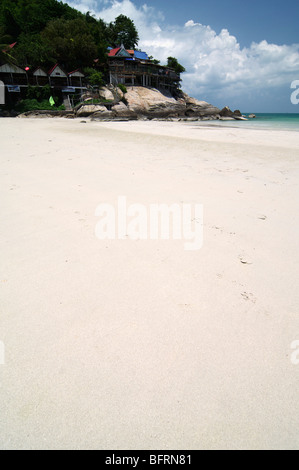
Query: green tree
{"points": [[5, 53], [123, 31], [31, 49], [154, 61], [172, 62], [99, 31], [70, 42], [94, 77], [8, 19], [31, 16]]}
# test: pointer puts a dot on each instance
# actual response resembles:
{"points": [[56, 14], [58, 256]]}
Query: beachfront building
{"points": [[17, 80], [13, 77], [40, 77], [131, 67], [76, 79], [58, 77]]}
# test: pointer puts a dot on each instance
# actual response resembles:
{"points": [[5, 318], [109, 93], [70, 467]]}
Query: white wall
{"points": [[2, 93]]}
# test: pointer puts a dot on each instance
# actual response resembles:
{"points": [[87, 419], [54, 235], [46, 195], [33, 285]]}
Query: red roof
{"points": [[52, 69], [74, 71], [11, 46], [113, 52], [55, 66]]}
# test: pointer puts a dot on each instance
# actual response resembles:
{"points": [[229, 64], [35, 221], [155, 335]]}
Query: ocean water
{"points": [[276, 121]]}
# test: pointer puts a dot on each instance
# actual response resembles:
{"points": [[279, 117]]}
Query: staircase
{"points": [[67, 103]]}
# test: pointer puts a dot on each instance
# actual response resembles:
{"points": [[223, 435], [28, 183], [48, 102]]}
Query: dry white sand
{"points": [[143, 345]]}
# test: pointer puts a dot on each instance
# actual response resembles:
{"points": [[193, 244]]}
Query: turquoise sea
{"points": [[276, 121]]}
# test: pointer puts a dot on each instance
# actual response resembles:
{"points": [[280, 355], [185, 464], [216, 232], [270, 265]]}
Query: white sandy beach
{"points": [[125, 344]]}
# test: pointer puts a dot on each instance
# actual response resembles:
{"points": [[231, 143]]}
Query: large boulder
{"points": [[106, 94], [237, 112], [92, 109], [226, 112], [166, 110], [153, 103], [103, 114], [122, 111], [200, 109]]}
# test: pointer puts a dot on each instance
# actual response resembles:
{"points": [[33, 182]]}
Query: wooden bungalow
{"points": [[76, 79], [58, 77], [40, 77], [131, 67], [12, 75]]}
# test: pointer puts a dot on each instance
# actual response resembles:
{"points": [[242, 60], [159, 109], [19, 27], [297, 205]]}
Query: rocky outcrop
{"points": [[120, 110], [94, 110], [149, 103], [42, 113], [106, 94], [237, 112], [227, 113], [196, 108], [152, 103]]}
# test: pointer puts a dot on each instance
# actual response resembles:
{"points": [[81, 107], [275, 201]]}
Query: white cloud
{"points": [[215, 63]]}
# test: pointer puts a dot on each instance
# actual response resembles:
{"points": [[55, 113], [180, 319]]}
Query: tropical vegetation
{"points": [[45, 32]]}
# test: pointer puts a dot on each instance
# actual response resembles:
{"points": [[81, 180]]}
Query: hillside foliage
{"points": [[50, 31]]}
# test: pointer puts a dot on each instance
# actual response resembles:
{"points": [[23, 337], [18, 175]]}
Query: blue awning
{"points": [[13, 89], [69, 89]]}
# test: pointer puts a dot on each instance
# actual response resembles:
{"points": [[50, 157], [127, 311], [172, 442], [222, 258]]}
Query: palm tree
{"points": [[5, 55]]}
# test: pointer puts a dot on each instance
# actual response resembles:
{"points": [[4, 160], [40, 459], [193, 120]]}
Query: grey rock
{"points": [[240, 118], [237, 112], [94, 109], [122, 111], [226, 112]]}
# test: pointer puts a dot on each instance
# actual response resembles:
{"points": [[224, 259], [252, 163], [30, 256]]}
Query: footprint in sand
{"points": [[244, 259], [249, 297]]}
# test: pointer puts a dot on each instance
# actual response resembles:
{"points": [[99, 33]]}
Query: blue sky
{"points": [[254, 20], [241, 54]]}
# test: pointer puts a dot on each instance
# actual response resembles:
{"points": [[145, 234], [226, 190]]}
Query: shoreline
{"points": [[249, 123]]}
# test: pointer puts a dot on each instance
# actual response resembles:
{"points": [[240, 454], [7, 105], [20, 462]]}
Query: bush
{"points": [[34, 105], [122, 88], [96, 79], [38, 93]]}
